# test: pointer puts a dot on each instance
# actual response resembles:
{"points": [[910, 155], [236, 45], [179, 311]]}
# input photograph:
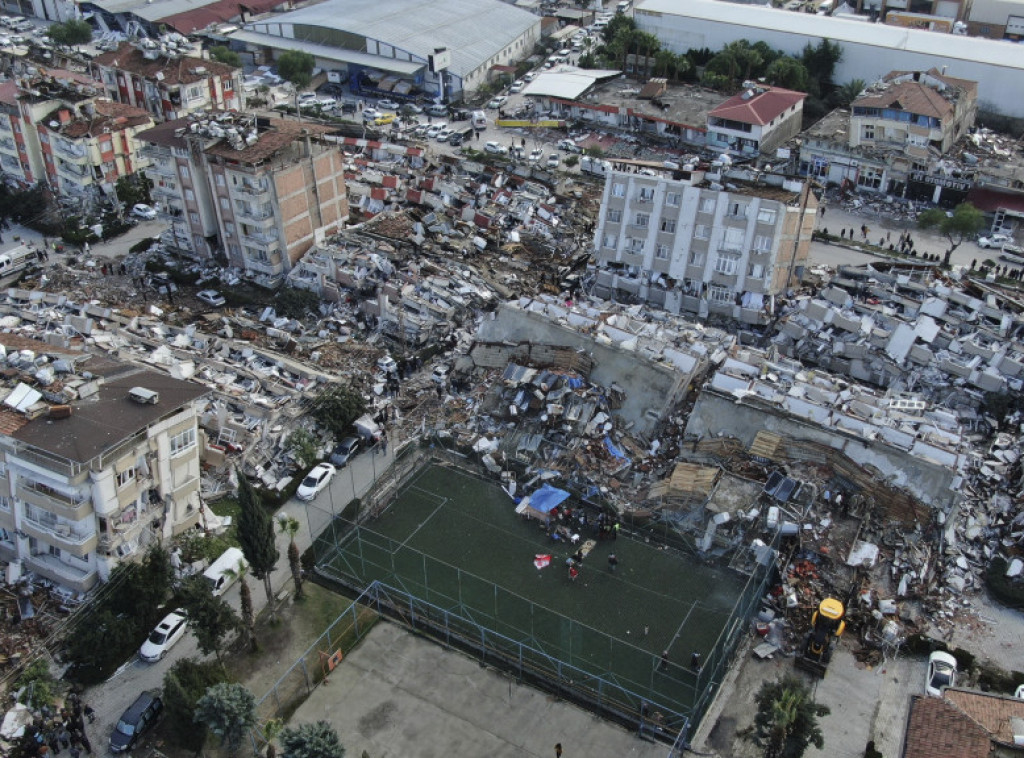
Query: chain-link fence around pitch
{"points": [[451, 547]]}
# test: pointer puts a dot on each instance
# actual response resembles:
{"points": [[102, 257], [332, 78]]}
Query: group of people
{"points": [[565, 524], [54, 731]]}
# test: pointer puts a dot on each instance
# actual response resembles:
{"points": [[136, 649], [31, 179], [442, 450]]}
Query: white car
{"points": [[554, 161], [315, 481], [444, 135], [436, 129], [994, 240], [164, 637], [211, 297], [529, 76], [388, 105], [536, 155], [496, 148], [497, 102], [569, 146], [141, 210], [517, 86], [941, 673], [371, 114]]}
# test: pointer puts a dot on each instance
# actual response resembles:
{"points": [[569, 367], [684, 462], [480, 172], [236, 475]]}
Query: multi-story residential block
{"points": [[256, 190], [99, 461], [91, 144], [679, 241], [895, 138], [756, 121], [169, 86]]}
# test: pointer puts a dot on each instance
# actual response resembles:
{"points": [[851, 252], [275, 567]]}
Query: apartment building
{"points": [[679, 241], [257, 191], [756, 121], [895, 136], [98, 458], [166, 83]]}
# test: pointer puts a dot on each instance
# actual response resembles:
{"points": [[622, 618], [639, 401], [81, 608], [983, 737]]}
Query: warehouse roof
{"points": [[567, 82], [473, 30]]}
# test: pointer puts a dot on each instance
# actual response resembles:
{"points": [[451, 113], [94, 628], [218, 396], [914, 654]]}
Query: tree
{"points": [[269, 732], [302, 446], [134, 188], [228, 710], [256, 534], [297, 67], [290, 525], [210, 618], [849, 92], [787, 719], [337, 407], [245, 601], [71, 33], [616, 25], [184, 683], [964, 223], [789, 73], [820, 63], [223, 54], [317, 740]]}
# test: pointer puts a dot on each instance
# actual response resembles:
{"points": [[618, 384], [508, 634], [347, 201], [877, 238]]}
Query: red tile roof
{"points": [[217, 12], [994, 713], [107, 117], [760, 109], [938, 729], [177, 71]]}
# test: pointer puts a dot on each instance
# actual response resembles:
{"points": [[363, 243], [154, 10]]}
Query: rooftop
{"points": [[107, 116], [473, 30], [760, 105], [169, 72], [927, 95], [936, 727], [682, 104], [96, 389]]}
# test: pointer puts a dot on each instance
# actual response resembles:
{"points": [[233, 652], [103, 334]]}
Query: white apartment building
{"points": [[102, 464], [679, 241]]}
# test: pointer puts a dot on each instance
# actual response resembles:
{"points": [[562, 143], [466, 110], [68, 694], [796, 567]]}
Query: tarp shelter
{"points": [[541, 502]]}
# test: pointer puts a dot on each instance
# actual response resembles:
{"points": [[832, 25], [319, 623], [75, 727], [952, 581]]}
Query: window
{"points": [[609, 240], [646, 194], [762, 243], [184, 441], [636, 246], [707, 205], [766, 216], [696, 258], [733, 239], [193, 217], [661, 252], [6, 536], [726, 264], [738, 210], [184, 171], [719, 294], [126, 477], [702, 232], [224, 204], [870, 178], [190, 196], [672, 198], [614, 215], [229, 228], [868, 132], [219, 179], [756, 271], [643, 219], [5, 503], [618, 189], [668, 225]]}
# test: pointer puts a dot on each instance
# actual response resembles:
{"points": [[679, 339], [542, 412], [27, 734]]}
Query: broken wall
{"points": [[651, 389], [715, 415]]}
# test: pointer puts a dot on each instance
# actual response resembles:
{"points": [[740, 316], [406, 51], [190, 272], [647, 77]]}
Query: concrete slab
{"points": [[398, 694]]}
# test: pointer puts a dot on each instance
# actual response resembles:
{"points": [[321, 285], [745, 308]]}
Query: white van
{"points": [[217, 575]]}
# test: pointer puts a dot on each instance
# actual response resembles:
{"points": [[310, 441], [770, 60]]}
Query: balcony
{"points": [[160, 168], [56, 570], [260, 239], [260, 217], [251, 189], [726, 280], [68, 150], [7, 143], [71, 507], [61, 535]]}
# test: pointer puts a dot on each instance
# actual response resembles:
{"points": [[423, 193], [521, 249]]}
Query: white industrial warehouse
{"points": [[385, 48], [870, 50]]}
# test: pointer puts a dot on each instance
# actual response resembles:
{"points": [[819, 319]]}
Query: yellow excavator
{"points": [[827, 626]]}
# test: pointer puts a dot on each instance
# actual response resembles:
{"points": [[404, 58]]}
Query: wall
{"points": [[718, 415]]}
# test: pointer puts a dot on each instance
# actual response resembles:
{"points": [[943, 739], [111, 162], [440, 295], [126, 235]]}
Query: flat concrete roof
{"points": [[400, 694]]}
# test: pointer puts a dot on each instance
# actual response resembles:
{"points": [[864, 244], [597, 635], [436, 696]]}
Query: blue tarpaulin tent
{"points": [[542, 501]]}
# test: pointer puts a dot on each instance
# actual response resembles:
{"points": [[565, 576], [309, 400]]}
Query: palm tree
{"points": [[850, 92], [245, 594], [787, 718], [269, 732], [290, 525]]}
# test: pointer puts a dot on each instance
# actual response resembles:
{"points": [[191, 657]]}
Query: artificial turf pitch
{"points": [[455, 541]]}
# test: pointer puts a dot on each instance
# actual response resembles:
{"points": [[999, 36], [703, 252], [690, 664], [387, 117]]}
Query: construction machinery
{"points": [[827, 626]]}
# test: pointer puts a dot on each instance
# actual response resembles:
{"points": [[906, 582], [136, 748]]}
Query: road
{"points": [[111, 698]]}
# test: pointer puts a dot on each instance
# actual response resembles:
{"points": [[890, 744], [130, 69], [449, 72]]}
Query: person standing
{"points": [[613, 562], [558, 750], [695, 662], [663, 666]]}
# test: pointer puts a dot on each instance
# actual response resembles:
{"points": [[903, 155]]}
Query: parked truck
{"points": [[17, 259]]}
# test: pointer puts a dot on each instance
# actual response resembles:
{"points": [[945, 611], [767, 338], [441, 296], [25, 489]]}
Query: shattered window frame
{"points": [[126, 477], [183, 441]]}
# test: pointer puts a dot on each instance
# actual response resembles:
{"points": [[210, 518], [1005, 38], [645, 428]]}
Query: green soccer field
{"points": [[455, 541]]}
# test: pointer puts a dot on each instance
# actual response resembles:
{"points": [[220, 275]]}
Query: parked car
{"points": [[994, 240], [211, 297], [163, 637], [495, 148], [438, 110], [497, 102], [136, 721], [455, 140], [1013, 250], [941, 673], [529, 76], [517, 153], [435, 129], [388, 105], [371, 114], [444, 135], [315, 481], [569, 146], [410, 109], [517, 86], [536, 155], [345, 451], [554, 161], [141, 210], [384, 120]]}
